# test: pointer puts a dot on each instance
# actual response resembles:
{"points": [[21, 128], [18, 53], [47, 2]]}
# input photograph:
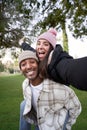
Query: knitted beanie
{"points": [[50, 36], [27, 54]]}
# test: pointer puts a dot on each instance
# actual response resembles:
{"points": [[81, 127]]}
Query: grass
{"points": [[11, 96]]}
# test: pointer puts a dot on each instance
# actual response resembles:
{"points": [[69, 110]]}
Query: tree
{"points": [[1, 67], [58, 13], [14, 23], [30, 17]]}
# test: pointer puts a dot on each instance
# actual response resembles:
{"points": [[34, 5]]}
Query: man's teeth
{"points": [[30, 72]]}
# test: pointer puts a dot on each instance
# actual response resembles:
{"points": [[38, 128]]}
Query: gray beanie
{"points": [[27, 54]]}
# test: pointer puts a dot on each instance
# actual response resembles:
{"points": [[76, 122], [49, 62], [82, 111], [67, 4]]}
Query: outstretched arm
{"points": [[24, 45], [64, 69]]}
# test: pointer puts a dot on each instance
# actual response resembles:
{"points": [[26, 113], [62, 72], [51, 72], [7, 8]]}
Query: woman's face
{"points": [[42, 48]]}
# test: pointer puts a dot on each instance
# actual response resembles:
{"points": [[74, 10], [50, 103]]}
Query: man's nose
{"points": [[28, 66]]}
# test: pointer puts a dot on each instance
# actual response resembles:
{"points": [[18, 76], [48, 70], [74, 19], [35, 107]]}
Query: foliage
{"points": [[58, 13], [11, 70], [14, 23], [19, 18]]}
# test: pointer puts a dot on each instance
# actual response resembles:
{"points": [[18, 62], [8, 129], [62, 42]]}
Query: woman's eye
{"points": [[38, 43]]}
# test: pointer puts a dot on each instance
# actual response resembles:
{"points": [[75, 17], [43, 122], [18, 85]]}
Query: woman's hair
{"points": [[43, 65]]}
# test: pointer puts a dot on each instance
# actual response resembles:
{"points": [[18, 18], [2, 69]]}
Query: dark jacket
{"points": [[26, 46], [64, 69]]}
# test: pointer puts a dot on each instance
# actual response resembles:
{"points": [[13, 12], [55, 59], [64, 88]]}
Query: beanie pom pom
{"points": [[53, 31]]}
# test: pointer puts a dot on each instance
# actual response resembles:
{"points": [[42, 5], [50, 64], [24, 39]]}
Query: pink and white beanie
{"points": [[50, 36]]}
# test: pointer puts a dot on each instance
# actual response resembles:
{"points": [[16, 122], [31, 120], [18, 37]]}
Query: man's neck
{"points": [[36, 81]]}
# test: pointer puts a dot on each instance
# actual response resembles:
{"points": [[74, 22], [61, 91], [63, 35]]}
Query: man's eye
{"points": [[32, 62], [23, 64]]}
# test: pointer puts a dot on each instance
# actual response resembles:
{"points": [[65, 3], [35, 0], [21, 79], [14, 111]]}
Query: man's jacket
{"points": [[54, 101]]}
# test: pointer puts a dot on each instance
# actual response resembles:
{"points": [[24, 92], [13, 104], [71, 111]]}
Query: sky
{"points": [[77, 47]]}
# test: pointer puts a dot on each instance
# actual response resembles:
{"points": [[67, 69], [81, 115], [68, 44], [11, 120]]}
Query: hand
{"points": [[50, 57], [22, 40]]}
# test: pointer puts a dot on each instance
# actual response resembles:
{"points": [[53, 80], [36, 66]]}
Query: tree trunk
{"points": [[65, 39]]}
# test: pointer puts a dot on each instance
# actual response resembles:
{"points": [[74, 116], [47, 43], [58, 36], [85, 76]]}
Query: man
{"points": [[47, 102]]}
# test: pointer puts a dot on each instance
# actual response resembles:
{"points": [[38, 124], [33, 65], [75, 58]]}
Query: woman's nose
{"points": [[40, 46]]}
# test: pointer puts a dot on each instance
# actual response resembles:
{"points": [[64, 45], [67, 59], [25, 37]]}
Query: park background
{"points": [[29, 18], [11, 97]]}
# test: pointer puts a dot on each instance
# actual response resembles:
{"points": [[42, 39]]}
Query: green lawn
{"points": [[11, 96]]}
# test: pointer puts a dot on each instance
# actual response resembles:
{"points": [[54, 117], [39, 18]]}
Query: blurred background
{"points": [[29, 18]]}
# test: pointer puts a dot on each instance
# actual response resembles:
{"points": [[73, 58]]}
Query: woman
{"points": [[62, 67]]}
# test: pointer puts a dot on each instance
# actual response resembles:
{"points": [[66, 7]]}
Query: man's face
{"points": [[42, 48], [29, 68]]}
